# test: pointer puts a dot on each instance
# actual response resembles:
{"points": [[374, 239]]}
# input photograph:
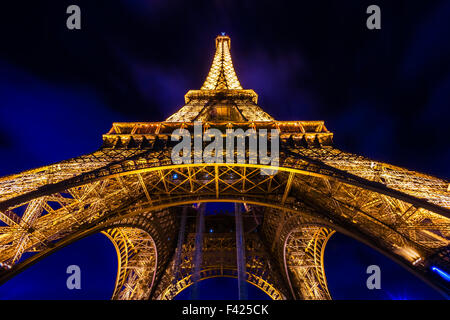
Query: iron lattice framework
{"points": [[130, 190]]}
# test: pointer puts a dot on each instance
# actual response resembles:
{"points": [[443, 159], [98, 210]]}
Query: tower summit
{"points": [[221, 75], [221, 97]]}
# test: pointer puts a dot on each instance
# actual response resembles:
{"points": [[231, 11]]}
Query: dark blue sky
{"points": [[385, 94]]}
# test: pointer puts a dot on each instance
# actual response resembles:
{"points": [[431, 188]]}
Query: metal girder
{"points": [[240, 253], [288, 187], [181, 232], [198, 253]]}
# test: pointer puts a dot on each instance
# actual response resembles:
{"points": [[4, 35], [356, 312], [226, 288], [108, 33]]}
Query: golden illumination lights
{"points": [[130, 190]]}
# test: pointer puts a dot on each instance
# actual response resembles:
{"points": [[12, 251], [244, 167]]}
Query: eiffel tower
{"points": [[153, 210]]}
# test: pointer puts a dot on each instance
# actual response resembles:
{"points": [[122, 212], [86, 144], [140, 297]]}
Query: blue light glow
{"points": [[175, 176], [443, 274], [398, 296]]}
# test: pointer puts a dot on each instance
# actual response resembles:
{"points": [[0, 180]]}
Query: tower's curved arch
{"points": [[137, 241], [228, 272], [137, 259], [303, 258]]}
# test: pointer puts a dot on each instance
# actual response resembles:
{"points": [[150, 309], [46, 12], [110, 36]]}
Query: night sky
{"points": [[384, 93]]}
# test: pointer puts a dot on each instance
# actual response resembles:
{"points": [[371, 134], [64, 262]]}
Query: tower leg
{"points": [[240, 252], [176, 267], [199, 229]]}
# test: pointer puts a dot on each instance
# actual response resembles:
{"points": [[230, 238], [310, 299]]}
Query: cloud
{"points": [[47, 122]]}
